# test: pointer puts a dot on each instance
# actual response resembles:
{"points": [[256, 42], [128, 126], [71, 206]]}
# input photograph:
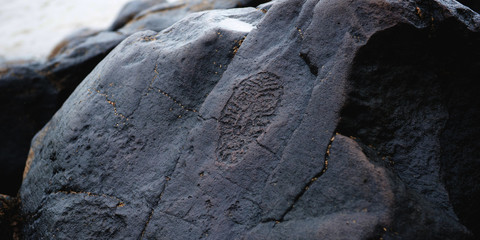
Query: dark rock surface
{"points": [[10, 220], [327, 120], [32, 92], [207, 45], [417, 105], [26, 104]]}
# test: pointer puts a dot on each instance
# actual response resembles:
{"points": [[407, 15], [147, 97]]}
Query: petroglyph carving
{"points": [[247, 114]]}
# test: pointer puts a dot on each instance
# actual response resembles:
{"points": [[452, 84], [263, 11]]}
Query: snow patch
{"points": [[30, 29], [235, 25]]}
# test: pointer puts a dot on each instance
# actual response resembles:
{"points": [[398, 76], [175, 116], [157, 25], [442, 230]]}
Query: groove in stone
{"points": [[308, 184]]}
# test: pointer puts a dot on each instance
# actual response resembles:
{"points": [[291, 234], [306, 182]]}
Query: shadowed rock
{"points": [[31, 93], [10, 221]]}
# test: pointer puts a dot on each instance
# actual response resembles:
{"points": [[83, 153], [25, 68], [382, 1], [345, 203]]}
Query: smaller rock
{"points": [[164, 14], [71, 41], [156, 18], [129, 11]]}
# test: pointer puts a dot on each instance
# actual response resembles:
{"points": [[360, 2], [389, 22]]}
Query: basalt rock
{"points": [[300, 119], [195, 63]]}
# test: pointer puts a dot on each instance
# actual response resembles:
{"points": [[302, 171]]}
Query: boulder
{"points": [[317, 119], [32, 92], [208, 43]]}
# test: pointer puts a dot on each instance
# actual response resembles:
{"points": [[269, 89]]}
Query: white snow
{"points": [[235, 25], [29, 29]]}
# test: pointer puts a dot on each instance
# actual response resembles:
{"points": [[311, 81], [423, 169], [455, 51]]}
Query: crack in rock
{"points": [[308, 184], [71, 192], [159, 198]]}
